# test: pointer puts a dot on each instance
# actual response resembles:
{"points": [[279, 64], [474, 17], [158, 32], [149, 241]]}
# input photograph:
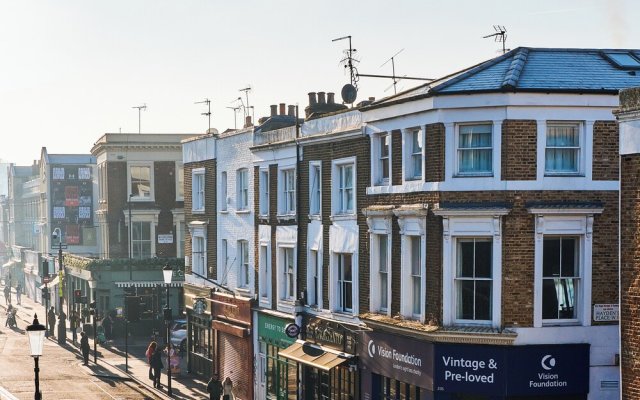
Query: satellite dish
{"points": [[212, 131], [349, 93]]}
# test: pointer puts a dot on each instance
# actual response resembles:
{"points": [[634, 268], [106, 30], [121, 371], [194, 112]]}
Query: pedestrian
{"points": [[157, 365], [84, 347], [74, 323], [18, 293], [227, 389], [214, 387], [107, 323], [7, 293], [62, 328], [149, 353], [51, 316]]}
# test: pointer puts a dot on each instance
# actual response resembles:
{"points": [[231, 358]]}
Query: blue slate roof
{"points": [[545, 70]]}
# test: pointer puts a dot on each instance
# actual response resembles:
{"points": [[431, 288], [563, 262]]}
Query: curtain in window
{"points": [[475, 149], [563, 144]]}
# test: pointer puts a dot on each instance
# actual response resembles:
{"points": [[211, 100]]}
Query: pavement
{"points": [[112, 362]]}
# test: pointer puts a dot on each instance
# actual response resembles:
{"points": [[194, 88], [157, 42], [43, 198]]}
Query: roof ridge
{"points": [[515, 69]]}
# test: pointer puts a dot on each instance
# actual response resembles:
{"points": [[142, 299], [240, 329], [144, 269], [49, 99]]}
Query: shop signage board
{"points": [[272, 329], [469, 369], [231, 308], [404, 359], [331, 334]]}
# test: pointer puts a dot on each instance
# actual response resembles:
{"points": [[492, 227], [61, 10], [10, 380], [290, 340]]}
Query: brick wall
{"points": [[165, 197], [210, 214], [396, 157], [434, 153], [519, 144], [629, 272], [116, 206], [605, 151]]}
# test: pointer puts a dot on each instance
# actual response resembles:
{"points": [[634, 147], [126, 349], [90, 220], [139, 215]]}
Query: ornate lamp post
{"points": [[36, 332], [167, 273]]}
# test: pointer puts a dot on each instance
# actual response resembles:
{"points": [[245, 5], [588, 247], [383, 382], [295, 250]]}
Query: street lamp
{"points": [[167, 273], [36, 332]]}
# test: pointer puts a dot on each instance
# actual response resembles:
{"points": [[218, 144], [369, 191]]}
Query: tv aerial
{"points": [[499, 36], [235, 113], [393, 75], [349, 91], [208, 113], [140, 108], [246, 91]]}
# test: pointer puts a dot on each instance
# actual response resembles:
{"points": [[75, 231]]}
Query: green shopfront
{"points": [[276, 376]]}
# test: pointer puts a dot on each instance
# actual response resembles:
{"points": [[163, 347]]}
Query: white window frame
{"points": [[338, 193], [244, 276], [376, 160], [179, 181], [465, 224], [198, 231], [314, 257], [198, 190], [242, 189], [286, 195], [458, 279], [223, 260], [379, 222], [264, 262], [315, 193], [338, 281], [283, 276], [410, 154], [149, 216], [581, 150], [568, 223], [133, 196], [223, 191], [264, 192], [457, 150], [180, 230]]}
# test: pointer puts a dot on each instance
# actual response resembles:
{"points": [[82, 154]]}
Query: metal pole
{"points": [[126, 343], [95, 338], [130, 234], [46, 308], [60, 268], [169, 391], [38, 395]]}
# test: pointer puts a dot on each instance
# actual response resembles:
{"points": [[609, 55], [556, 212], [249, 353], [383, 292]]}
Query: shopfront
{"points": [[395, 367], [232, 326], [327, 362], [276, 375], [200, 341]]}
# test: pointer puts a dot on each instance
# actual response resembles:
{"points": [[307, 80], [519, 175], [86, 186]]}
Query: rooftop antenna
{"points": [[140, 108], [499, 36], [394, 78], [208, 113], [235, 119], [246, 91], [349, 91]]}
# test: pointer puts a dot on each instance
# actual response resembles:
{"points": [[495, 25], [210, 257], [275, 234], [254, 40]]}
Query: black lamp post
{"points": [[36, 332], [167, 273]]}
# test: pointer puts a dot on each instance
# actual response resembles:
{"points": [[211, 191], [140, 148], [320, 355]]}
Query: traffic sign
{"points": [[59, 246]]}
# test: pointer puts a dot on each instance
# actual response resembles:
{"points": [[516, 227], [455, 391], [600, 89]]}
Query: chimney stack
{"points": [[331, 98], [292, 110], [274, 110], [312, 98], [321, 98], [247, 121], [282, 108]]}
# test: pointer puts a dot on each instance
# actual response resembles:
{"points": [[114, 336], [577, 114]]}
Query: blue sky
{"points": [[72, 70]]}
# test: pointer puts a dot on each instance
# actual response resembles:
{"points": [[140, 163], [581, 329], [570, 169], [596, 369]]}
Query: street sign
{"points": [[59, 246]]}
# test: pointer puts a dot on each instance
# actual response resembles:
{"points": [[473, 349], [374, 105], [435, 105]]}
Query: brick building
{"points": [[629, 119], [493, 218]]}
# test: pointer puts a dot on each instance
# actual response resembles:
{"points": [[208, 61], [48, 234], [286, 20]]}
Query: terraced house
{"points": [[493, 231]]}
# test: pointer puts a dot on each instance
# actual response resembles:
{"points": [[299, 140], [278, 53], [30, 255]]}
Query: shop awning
{"points": [[8, 264], [147, 284], [314, 355], [52, 282]]}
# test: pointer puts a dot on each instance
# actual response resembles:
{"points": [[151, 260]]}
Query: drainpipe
{"points": [[298, 216]]}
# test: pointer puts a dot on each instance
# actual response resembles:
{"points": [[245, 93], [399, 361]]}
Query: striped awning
{"points": [[147, 284]]}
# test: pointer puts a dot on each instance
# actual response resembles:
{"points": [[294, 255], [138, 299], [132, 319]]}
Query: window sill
{"points": [[478, 175], [560, 323], [243, 290], [315, 217], [224, 211], [197, 211], [287, 217], [343, 217], [563, 174], [243, 211]]}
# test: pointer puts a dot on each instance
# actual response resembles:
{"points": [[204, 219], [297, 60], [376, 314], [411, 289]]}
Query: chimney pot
{"points": [[292, 110], [247, 121], [331, 98], [372, 99], [312, 98], [282, 108], [274, 110], [321, 98]]}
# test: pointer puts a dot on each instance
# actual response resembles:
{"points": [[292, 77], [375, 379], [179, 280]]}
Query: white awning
{"points": [[147, 284], [52, 282]]}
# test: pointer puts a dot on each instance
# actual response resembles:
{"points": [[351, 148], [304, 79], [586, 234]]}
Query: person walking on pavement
{"points": [[18, 293], [227, 389], [84, 347], [62, 328], [149, 353], [107, 324], [214, 387], [156, 364], [7, 293], [74, 322], [51, 316]]}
